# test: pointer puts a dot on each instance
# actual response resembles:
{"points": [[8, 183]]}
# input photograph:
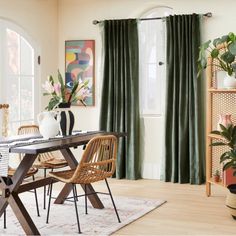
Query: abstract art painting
{"points": [[79, 65]]}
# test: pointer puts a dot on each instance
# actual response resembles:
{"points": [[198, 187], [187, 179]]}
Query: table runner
{"points": [[39, 139], [4, 161]]}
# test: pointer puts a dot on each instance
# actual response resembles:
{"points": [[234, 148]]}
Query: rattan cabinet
{"points": [[219, 101]]}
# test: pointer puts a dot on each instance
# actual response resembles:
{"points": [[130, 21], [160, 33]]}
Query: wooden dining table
{"points": [[12, 186]]}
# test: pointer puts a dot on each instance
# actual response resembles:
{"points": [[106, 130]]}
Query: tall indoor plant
{"points": [[228, 158], [223, 52]]}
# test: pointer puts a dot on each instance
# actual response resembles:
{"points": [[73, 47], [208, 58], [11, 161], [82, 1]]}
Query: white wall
{"points": [[39, 19], [75, 22]]}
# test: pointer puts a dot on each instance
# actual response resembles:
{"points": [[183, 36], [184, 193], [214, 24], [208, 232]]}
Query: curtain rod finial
{"points": [[95, 22], [208, 14]]}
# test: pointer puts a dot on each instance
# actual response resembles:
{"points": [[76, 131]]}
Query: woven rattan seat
{"points": [[98, 162], [32, 171], [94, 175]]}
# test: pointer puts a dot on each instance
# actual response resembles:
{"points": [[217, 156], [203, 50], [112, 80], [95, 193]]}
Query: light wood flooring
{"points": [[187, 212]]}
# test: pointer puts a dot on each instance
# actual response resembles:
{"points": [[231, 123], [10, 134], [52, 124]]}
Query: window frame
{"points": [[4, 25], [159, 109]]}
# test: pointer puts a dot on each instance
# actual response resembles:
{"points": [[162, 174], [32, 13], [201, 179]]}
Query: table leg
{"points": [[3, 205], [22, 215], [10, 195], [72, 162]]}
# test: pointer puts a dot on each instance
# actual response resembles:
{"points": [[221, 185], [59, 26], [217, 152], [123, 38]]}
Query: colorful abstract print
{"points": [[79, 59]]}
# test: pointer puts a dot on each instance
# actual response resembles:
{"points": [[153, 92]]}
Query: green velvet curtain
{"points": [[184, 124], [120, 92]]}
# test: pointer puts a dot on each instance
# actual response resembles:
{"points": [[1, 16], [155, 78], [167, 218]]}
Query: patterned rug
{"points": [[62, 219]]}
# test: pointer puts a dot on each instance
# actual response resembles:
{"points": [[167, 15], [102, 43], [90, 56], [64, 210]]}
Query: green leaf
{"points": [[228, 165], [205, 45], [224, 158], [232, 48], [216, 41], [218, 144], [215, 132], [228, 57], [232, 36], [225, 39], [214, 53], [51, 80], [60, 79], [234, 174]]}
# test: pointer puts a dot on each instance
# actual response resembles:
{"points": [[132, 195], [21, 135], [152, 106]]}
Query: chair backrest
{"points": [[98, 160], [30, 129]]}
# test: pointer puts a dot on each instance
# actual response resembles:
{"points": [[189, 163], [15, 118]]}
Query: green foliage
{"points": [[217, 173], [228, 158], [60, 93], [225, 58]]}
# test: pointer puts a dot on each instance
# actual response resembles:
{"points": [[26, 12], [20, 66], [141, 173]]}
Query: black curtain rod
{"points": [[208, 14]]}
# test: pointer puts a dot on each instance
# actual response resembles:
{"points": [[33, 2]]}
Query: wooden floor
{"points": [[187, 212]]}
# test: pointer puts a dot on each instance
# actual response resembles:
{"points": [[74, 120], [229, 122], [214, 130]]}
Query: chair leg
{"points": [[36, 198], [86, 202], [4, 219], [112, 201], [76, 209], [44, 190], [77, 199], [49, 185], [49, 202]]}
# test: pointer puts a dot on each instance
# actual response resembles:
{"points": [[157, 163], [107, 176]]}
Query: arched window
{"points": [[18, 75], [152, 44]]}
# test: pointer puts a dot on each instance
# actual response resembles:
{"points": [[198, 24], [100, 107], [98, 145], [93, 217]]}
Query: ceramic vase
{"points": [[229, 82], [48, 126], [65, 118]]}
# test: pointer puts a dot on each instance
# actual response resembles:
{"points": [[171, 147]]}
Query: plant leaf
{"points": [[215, 132], [232, 48], [228, 165], [218, 144], [214, 53], [228, 57]]}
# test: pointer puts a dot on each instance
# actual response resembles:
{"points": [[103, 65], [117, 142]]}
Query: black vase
{"points": [[66, 118]]}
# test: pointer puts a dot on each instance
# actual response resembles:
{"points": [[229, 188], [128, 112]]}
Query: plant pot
{"points": [[229, 82], [216, 178], [65, 118], [231, 200]]}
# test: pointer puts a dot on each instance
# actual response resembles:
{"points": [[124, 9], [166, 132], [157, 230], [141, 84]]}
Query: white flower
{"points": [[48, 87]]}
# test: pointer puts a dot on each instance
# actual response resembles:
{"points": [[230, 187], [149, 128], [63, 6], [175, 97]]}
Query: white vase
{"points": [[48, 126], [229, 82]]}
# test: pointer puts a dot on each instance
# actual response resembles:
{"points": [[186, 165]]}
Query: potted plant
{"points": [[216, 176], [223, 52], [61, 97], [228, 159]]}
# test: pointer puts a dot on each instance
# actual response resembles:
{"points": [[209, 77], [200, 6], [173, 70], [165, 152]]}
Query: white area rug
{"points": [[62, 219]]}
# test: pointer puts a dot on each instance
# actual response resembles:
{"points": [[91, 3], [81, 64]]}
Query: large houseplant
{"points": [[223, 52], [228, 158]]}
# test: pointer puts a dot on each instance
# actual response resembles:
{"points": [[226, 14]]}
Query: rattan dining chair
{"points": [[45, 161], [98, 162]]}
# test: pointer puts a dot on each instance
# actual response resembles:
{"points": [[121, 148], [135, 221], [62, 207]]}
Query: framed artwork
{"points": [[79, 65]]}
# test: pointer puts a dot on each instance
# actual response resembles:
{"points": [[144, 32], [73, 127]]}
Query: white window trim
{"points": [[6, 23]]}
